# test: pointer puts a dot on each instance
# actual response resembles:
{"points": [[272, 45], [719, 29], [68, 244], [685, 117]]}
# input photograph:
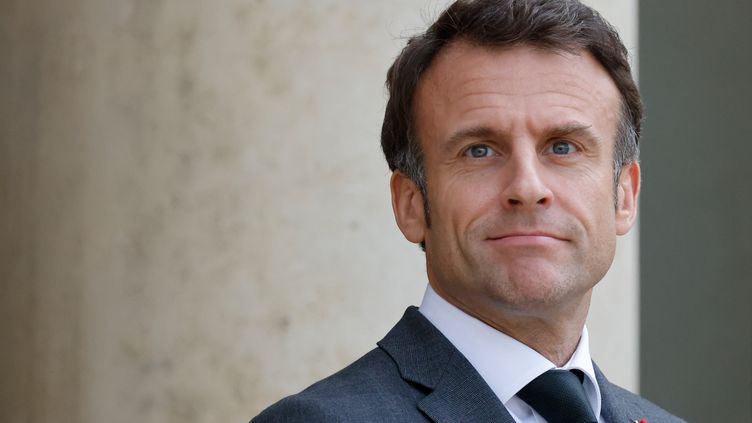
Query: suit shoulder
{"points": [[653, 412], [370, 389], [295, 408]]}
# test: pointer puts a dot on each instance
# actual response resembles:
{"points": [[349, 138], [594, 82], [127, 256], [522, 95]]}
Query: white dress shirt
{"points": [[504, 363]]}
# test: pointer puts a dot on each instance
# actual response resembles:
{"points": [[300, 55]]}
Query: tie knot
{"points": [[558, 396]]}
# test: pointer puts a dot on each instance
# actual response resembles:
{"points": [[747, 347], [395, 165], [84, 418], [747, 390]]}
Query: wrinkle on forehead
{"points": [[514, 80]]}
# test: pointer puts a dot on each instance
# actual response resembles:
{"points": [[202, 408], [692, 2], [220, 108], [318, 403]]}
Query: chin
{"points": [[538, 292]]}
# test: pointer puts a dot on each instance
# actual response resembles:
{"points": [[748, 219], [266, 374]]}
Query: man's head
{"points": [[516, 122]]}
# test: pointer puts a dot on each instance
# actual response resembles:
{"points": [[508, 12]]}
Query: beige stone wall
{"points": [[614, 314], [194, 208]]}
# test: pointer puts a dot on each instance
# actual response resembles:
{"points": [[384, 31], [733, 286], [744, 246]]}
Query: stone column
{"points": [[194, 206]]}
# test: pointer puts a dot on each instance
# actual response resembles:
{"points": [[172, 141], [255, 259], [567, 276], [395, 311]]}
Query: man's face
{"points": [[518, 147]]}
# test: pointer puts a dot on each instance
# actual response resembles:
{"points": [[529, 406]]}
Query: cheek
{"points": [[602, 218], [596, 185], [463, 197], [591, 200]]}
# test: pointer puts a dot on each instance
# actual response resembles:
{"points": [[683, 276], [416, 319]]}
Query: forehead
{"points": [[512, 87]]}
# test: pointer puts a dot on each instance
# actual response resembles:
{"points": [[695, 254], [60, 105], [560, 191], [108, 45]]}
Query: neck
{"points": [[555, 339], [554, 332]]}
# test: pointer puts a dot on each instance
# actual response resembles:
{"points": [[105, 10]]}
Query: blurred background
{"points": [[195, 213]]}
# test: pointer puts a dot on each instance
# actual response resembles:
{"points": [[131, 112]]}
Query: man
{"points": [[512, 130]]}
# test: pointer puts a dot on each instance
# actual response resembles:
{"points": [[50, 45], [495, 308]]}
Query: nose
{"points": [[524, 185]]}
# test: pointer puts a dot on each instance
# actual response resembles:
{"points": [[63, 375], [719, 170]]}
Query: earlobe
{"points": [[628, 191], [407, 204]]}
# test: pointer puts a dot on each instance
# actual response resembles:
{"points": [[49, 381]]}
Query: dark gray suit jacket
{"points": [[417, 375]]}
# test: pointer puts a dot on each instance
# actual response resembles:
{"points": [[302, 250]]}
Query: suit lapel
{"points": [[456, 392], [617, 406], [463, 396]]}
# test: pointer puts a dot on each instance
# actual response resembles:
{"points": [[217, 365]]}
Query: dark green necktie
{"points": [[558, 396]]}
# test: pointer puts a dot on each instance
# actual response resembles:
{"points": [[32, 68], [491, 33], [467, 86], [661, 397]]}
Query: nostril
{"points": [[542, 201], [514, 201]]}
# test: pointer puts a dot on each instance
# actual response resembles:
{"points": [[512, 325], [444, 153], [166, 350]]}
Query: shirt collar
{"points": [[504, 363]]}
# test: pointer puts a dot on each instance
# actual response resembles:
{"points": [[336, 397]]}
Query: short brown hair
{"points": [[563, 25]]}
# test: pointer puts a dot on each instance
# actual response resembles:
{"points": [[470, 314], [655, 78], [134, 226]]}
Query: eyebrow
{"points": [[571, 128], [559, 130], [473, 132]]}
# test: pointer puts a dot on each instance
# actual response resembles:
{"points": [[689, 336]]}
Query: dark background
{"points": [[695, 75]]}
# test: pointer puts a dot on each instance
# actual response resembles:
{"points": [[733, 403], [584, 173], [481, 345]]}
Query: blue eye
{"points": [[562, 148], [479, 151]]}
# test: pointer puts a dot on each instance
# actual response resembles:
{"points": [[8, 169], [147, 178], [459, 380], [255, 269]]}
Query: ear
{"points": [[627, 191], [407, 204]]}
